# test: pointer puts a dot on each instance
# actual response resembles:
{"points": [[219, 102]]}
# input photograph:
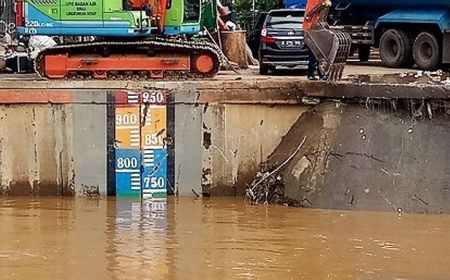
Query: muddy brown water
{"points": [[54, 238]]}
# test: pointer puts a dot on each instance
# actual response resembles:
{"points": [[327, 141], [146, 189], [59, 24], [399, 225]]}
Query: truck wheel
{"points": [[353, 49], [396, 48], [363, 53], [427, 51]]}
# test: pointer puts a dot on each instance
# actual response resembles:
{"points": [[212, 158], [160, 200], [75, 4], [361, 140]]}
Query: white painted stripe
{"points": [[153, 190], [128, 171], [128, 127], [152, 155], [157, 106], [153, 147]]}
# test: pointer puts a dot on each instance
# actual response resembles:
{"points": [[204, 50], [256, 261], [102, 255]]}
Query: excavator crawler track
{"points": [[156, 58]]}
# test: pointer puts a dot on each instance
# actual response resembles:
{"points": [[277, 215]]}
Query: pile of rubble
{"points": [[268, 188], [17, 55], [268, 185]]}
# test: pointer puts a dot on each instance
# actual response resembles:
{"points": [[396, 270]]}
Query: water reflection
{"points": [[137, 234], [51, 238]]}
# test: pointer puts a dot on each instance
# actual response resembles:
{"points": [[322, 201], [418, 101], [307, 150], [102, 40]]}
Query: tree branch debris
{"points": [[268, 185]]}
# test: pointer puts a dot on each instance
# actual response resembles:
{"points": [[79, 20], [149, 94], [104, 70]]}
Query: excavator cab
{"points": [[174, 17], [109, 18], [182, 17], [331, 47]]}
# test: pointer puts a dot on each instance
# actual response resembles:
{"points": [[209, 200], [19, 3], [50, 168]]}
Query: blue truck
{"points": [[294, 4], [407, 32]]}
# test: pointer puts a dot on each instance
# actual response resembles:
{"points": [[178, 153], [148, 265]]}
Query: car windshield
{"points": [[285, 20]]}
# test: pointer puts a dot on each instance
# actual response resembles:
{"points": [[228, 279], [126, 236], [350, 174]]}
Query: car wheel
{"points": [[396, 48], [427, 51]]}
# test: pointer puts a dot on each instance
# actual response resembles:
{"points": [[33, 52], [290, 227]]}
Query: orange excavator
{"points": [[331, 47]]}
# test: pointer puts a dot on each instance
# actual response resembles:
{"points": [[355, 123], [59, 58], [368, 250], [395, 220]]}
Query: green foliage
{"points": [[246, 16]]}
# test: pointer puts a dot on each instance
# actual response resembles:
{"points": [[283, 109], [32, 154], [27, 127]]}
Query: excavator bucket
{"points": [[331, 48]]}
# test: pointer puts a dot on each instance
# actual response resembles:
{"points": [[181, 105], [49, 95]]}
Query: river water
{"points": [[223, 238]]}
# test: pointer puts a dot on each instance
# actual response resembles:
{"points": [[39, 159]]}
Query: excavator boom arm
{"points": [[331, 47], [316, 11]]}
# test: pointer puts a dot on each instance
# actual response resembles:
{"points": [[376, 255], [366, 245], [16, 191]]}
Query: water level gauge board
{"points": [[140, 144]]}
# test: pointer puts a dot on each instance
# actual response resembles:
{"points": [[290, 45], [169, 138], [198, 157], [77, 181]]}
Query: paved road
{"points": [[353, 68]]}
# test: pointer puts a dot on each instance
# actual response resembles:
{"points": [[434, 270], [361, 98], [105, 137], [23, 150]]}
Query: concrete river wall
{"points": [[369, 146]]}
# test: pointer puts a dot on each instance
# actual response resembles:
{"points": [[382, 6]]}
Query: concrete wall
{"points": [[236, 138], [360, 153], [53, 144], [222, 136], [36, 152]]}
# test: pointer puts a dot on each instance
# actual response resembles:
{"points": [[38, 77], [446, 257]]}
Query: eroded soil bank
{"points": [[381, 156]]}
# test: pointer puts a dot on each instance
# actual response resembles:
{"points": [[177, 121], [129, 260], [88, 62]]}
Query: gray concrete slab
{"points": [[90, 149], [188, 150]]}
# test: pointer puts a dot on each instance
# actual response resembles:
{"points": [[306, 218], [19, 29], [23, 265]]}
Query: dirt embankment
{"points": [[380, 156]]}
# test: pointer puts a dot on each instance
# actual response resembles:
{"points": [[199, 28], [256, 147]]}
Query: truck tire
{"points": [[396, 48], [363, 53], [427, 51]]}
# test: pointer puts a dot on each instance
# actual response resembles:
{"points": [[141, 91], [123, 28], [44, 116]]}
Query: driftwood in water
{"points": [[268, 185]]}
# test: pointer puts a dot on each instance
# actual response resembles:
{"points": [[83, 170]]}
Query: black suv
{"points": [[255, 34], [282, 41]]}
